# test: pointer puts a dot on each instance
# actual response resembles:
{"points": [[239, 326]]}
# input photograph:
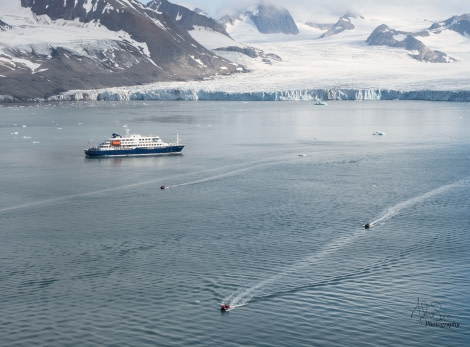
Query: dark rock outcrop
{"points": [[252, 53], [344, 23], [4, 26]]}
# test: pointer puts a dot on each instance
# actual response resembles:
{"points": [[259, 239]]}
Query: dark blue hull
{"points": [[137, 152]]}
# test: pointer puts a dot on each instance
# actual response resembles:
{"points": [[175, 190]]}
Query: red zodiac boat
{"points": [[224, 307]]}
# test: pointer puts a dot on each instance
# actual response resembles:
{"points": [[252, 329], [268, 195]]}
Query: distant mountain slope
{"points": [[385, 36], [460, 24], [186, 18], [343, 23], [268, 19], [50, 46]]}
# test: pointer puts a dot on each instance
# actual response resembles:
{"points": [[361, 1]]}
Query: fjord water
{"points": [[265, 210]]}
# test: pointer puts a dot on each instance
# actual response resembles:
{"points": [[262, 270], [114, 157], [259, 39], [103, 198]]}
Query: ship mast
{"points": [[127, 130]]}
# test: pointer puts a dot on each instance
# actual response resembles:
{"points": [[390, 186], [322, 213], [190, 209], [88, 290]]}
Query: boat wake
{"points": [[394, 210], [233, 307], [232, 171], [261, 289], [54, 200]]}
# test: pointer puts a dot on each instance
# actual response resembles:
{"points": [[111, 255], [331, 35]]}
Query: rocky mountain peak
{"points": [[270, 19], [460, 24], [386, 36], [343, 23]]}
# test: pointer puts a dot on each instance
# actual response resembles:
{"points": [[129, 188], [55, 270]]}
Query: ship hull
{"points": [[135, 152]]}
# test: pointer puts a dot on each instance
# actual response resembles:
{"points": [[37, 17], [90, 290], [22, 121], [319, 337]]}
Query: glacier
{"points": [[178, 94], [340, 67]]}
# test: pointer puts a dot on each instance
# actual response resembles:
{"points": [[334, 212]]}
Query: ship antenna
{"points": [[177, 139], [127, 130]]}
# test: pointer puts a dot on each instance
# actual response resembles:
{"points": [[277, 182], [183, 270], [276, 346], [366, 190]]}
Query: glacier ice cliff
{"points": [[194, 94]]}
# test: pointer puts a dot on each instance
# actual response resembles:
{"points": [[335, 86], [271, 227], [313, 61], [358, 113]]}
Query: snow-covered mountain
{"points": [[385, 36], [209, 32], [312, 66], [186, 18], [460, 24], [116, 49], [51, 46]]}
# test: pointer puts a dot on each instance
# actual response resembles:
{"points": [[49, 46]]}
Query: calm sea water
{"points": [[265, 210]]}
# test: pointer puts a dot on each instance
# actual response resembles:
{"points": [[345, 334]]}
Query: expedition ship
{"points": [[133, 145]]}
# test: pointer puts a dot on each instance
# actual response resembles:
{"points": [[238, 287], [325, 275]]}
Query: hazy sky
{"points": [[315, 10]]}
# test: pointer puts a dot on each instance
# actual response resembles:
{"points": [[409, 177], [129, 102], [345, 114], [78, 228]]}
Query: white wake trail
{"points": [[232, 171], [244, 296], [394, 210]]}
